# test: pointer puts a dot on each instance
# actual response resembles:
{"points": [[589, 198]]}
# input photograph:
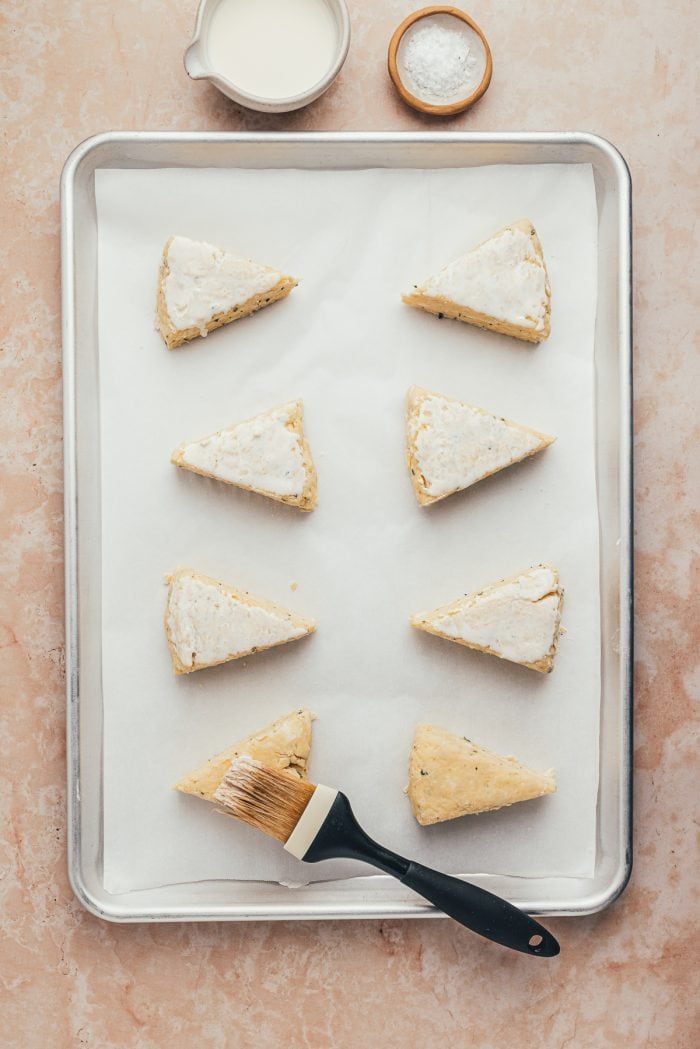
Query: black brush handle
{"points": [[481, 911], [340, 835]]}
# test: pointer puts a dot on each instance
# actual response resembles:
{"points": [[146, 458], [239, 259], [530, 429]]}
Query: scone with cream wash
{"points": [[501, 285], [201, 287], [518, 619], [208, 622], [451, 444], [449, 776], [267, 454], [284, 744]]}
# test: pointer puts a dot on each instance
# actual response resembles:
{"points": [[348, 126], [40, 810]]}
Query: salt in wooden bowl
{"points": [[431, 90]]}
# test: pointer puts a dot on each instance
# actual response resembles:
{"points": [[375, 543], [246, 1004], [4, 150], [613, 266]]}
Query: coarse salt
{"points": [[440, 63]]}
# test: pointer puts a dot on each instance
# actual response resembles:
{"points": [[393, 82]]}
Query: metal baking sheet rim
{"points": [[375, 896]]}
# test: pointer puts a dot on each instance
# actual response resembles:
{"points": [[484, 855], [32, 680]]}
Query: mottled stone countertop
{"points": [[626, 977]]}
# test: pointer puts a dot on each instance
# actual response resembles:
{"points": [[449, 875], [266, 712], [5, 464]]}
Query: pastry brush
{"points": [[317, 823]]}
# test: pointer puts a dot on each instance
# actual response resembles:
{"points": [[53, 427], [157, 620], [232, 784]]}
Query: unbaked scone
{"points": [[268, 454], [501, 285], [518, 619], [201, 287], [284, 745], [208, 622], [449, 776], [452, 445]]}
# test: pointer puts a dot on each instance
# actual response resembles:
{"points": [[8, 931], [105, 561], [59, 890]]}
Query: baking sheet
{"points": [[368, 556]]}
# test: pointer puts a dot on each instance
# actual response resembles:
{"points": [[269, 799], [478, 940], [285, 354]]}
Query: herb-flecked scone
{"points": [[268, 454], [451, 444], [284, 744], [201, 287], [501, 285], [208, 622], [449, 776], [518, 619]]}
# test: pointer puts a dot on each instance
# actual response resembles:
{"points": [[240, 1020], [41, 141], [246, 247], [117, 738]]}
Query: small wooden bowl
{"points": [[451, 108]]}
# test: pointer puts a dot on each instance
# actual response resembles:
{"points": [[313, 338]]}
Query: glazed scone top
{"points": [[204, 280], [263, 453], [504, 278], [456, 444], [208, 625], [518, 619]]}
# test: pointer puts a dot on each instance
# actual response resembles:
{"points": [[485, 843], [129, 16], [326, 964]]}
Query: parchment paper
{"points": [[368, 557]]}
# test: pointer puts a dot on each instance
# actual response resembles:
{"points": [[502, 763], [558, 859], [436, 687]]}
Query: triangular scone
{"points": [[208, 622], [201, 287], [267, 454], [501, 285], [449, 776], [284, 744], [452, 445], [516, 619]]}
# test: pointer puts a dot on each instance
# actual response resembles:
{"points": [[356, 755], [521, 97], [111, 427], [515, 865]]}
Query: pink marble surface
{"points": [[626, 977]]}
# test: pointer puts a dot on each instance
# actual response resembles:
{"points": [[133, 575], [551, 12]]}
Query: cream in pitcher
{"points": [[272, 48]]}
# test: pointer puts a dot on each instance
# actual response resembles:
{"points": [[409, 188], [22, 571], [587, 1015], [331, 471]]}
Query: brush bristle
{"points": [[269, 800]]}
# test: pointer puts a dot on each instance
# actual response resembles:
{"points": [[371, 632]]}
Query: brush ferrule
{"points": [[302, 837]]}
